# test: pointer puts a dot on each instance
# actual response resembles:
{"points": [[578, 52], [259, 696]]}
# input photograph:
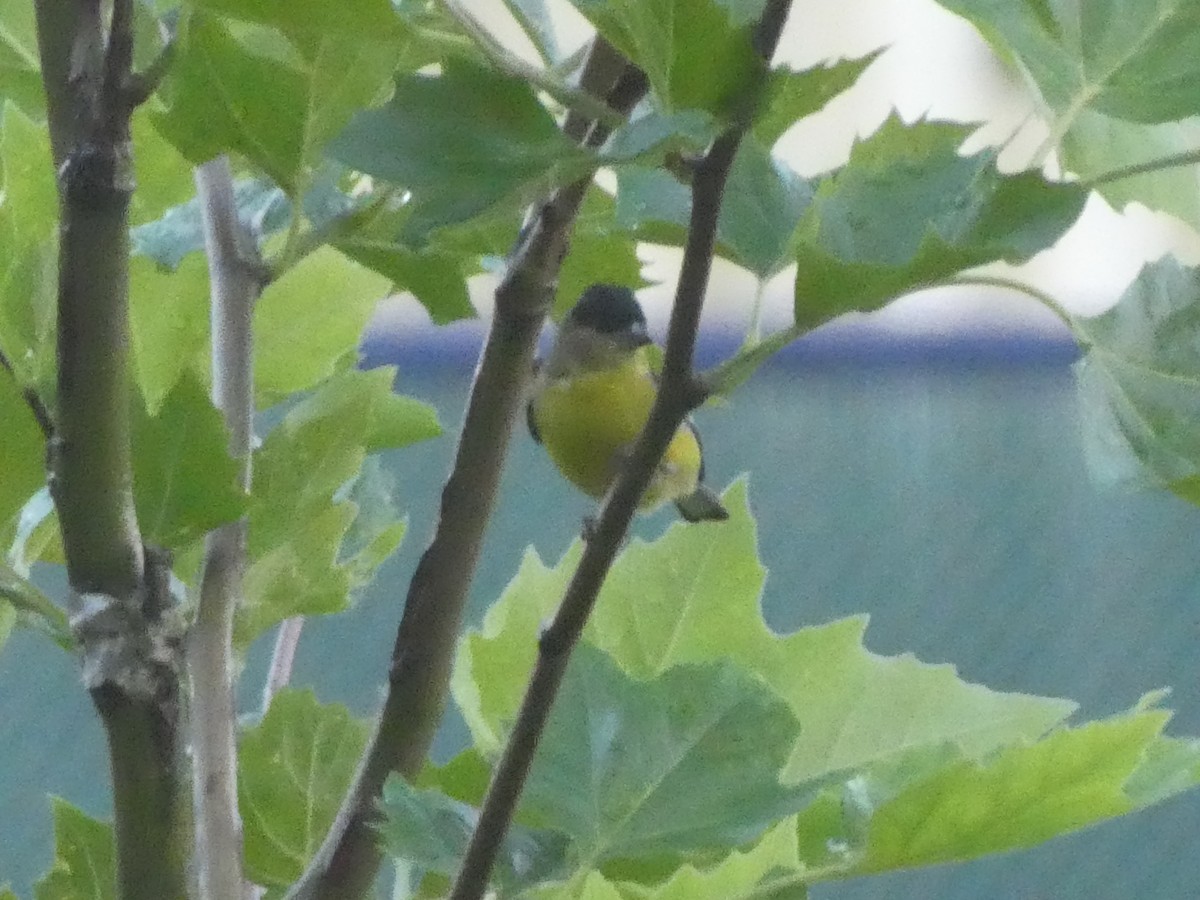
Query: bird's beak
{"points": [[637, 336]]}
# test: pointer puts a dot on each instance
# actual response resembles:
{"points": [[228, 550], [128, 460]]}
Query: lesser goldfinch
{"points": [[592, 396]]}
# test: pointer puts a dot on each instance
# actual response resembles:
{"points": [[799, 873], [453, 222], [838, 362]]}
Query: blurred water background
{"points": [[939, 485]]}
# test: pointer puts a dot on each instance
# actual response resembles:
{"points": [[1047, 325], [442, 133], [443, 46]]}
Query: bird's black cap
{"points": [[609, 309]]}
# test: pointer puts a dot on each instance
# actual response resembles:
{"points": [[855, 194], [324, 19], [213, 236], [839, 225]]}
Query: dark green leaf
{"points": [[792, 95], [427, 829], [696, 53], [294, 767], [185, 482], [620, 761], [764, 201], [1134, 59], [84, 865], [908, 211], [463, 141], [1140, 381]]}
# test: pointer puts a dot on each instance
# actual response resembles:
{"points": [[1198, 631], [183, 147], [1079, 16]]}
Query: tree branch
{"points": [[287, 638], [119, 591], [680, 391], [345, 865], [234, 288]]}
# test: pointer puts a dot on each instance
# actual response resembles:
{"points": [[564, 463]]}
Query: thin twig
{"points": [[234, 288], [680, 391], [345, 865], [287, 639], [33, 400], [1175, 161]]}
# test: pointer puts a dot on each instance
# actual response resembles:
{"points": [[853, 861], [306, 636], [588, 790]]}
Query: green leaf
{"points": [[84, 865], [307, 322], [277, 100], [436, 277], [697, 54], [20, 69], [185, 481], [792, 95], [463, 141], [620, 760], [764, 202], [164, 178], [601, 251], [1099, 144], [305, 19], [692, 597], [740, 874], [1139, 381], [1135, 59], [1022, 796], [294, 767], [430, 830], [908, 211], [22, 456], [168, 318], [28, 249], [304, 556], [6, 893]]}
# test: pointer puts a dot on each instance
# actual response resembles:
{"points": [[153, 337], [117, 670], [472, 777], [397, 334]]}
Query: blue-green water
{"points": [[948, 500]]}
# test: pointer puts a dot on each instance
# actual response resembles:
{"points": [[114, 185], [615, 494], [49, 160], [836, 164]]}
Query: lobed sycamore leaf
{"points": [[1139, 381], [307, 549], [907, 211], [463, 141], [958, 809], [857, 708], [791, 95], [293, 769], [621, 757], [277, 90], [1137, 60], [85, 865]]}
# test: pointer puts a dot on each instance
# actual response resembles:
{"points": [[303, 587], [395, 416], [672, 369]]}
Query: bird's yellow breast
{"points": [[589, 422]]}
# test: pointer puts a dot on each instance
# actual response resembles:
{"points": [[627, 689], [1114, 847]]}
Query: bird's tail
{"points": [[702, 505]]}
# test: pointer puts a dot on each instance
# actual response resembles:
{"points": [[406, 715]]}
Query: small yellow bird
{"points": [[592, 397]]}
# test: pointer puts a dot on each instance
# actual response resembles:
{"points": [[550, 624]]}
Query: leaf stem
{"points": [[344, 866], [580, 101], [1011, 284], [680, 391], [33, 399], [1177, 160], [234, 288]]}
